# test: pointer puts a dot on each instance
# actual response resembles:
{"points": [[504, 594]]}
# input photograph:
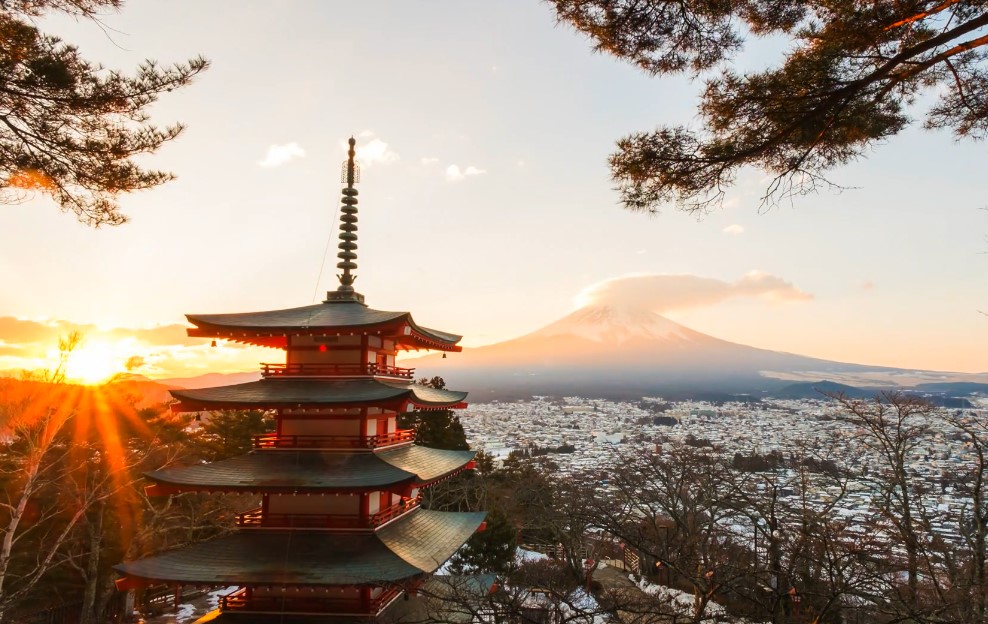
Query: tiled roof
{"points": [[424, 539], [292, 471], [428, 464], [327, 315], [417, 543], [301, 392]]}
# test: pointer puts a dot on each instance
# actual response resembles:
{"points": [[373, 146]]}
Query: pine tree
{"points": [[439, 429], [70, 128], [491, 550], [845, 84], [230, 433]]}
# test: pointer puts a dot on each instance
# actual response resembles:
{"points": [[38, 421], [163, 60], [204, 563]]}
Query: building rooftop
{"points": [[301, 393], [270, 328], [314, 471], [415, 544]]}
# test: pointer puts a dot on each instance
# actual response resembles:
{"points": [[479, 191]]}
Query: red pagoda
{"points": [[338, 534]]}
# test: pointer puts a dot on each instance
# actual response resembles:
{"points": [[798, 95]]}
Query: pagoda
{"points": [[338, 534]]}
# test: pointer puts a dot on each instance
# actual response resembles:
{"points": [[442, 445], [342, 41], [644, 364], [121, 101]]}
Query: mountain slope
{"points": [[619, 352]]}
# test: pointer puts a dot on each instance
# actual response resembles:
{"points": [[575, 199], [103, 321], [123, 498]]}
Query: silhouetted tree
{"points": [[229, 433], [844, 84], [893, 426], [972, 569], [70, 128], [490, 550], [71, 461], [436, 428], [675, 508]]}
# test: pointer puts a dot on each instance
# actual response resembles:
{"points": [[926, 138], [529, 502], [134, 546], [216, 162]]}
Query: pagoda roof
{"points": [[314, 471], [270, 327], [417, 543], [301, 393]]}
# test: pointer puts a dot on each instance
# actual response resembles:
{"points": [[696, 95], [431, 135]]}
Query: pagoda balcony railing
{"points": [[257, 519], [334, 370], [242, 601], [275, 441]]}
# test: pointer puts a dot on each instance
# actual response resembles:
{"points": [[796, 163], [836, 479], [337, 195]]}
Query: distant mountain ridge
{"points": [[625, 352], [210, 380]]}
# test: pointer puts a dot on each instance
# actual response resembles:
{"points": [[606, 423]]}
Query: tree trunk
{"points": [[16, 515], [88, 614]]}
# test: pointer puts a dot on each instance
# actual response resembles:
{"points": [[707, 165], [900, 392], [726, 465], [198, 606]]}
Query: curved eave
{"points": [[314, 393], [420, 339], [332, 315], [428, 464], [314, 472], [270, 328], [277, 336], [397, 552]]}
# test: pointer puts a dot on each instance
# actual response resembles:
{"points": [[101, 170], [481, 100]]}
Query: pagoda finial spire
{"points": [[348, 232]]}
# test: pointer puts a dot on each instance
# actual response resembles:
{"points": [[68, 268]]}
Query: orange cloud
{"points": [[163, 351], [21, 331]]}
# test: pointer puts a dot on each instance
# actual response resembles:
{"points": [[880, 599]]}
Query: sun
{"points": [[94, 362]]}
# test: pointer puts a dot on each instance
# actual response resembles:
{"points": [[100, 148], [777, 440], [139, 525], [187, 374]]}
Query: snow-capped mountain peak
{"points": [[614, 324]]}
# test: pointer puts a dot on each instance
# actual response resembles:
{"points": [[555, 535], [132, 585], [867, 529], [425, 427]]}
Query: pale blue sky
{"points": [[895, 267]]}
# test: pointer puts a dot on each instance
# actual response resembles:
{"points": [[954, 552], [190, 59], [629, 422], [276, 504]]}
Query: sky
{"points": [[486, 208]]}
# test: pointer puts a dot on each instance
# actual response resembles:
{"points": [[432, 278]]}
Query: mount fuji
{"points": [[619, 352]]}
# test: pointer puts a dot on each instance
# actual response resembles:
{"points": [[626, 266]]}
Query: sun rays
{"points": [[97, 361], [94, 438]]}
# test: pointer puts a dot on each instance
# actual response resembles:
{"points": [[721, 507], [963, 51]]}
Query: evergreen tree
{"points": [[230, 433], [70, 128], [850, 74], [489, 551], [439, 429]]}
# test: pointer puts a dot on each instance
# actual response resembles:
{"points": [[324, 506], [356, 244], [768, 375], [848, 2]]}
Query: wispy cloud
{"points": [[454, 173], [280, 154], [428, 160], [375, 152], [666, 293], [734, 229]]}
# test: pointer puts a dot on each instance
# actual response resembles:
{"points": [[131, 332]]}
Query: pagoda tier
{"points": [[397, 553], [396, 470], [280, 328], [317, 393], [338, 534]]}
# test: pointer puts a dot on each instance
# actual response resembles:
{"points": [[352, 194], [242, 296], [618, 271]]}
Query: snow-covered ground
{"points": [[682, 602], [188, 612]]}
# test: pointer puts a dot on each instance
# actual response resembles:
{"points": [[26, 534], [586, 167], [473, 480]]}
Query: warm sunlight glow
{"points": [[95, 362]]}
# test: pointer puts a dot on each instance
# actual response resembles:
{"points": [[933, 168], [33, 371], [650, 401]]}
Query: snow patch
{"points": [[611, 324], [528, 556], [682, 602]]}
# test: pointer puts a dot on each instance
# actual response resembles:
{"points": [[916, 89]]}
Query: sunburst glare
{"points": [[94, 362]]}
